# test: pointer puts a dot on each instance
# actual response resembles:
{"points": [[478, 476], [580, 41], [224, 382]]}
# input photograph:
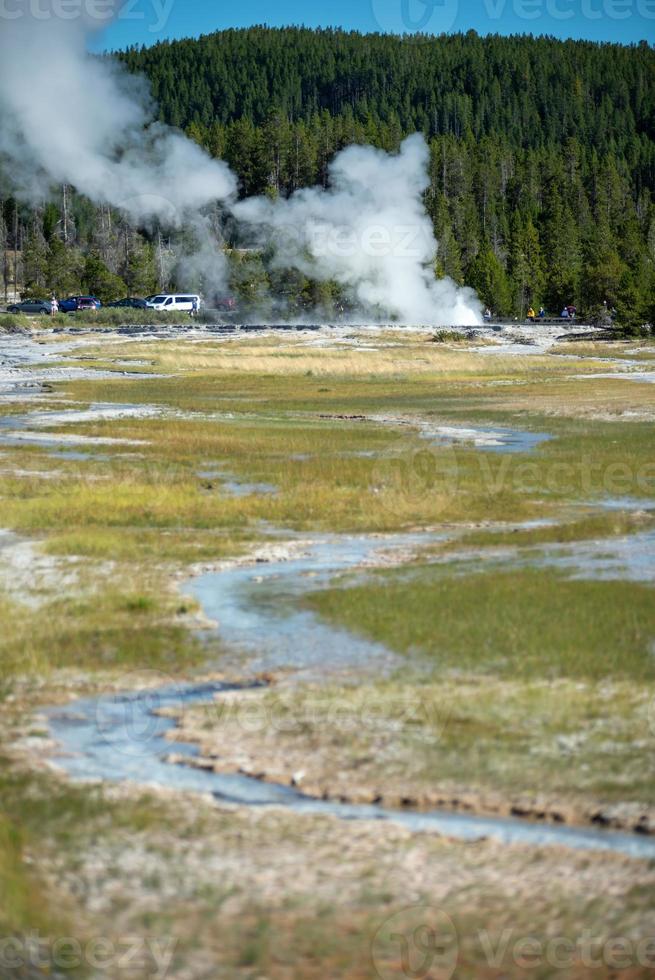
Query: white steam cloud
{"points": [[68, 117], [370, 232]]}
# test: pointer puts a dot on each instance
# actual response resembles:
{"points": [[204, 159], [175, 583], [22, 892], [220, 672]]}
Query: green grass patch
{"points": [[21, 905], [138, 544], [202, 388], [104, 628], [14, 322], [330, 474], [519, 623]]}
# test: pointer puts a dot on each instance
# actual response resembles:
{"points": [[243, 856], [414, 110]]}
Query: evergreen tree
{"points": [[526, 265], [487, 276], [563, 252], [64, 269], [35, 259], [603, 280], [99, 281]]}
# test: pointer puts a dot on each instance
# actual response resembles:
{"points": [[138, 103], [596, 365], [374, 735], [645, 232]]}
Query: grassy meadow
{"points": [[532, 678]]}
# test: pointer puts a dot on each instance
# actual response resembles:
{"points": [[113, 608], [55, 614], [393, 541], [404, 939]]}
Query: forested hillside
{"points": [[542, 152], [533, 92]]}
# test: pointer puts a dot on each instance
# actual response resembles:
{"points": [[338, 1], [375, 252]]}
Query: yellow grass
{"points": [[299, 357]]}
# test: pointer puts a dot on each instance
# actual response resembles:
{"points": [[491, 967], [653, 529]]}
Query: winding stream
{"points": [[120, 737]]}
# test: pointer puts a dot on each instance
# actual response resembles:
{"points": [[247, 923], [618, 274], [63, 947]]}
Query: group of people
{"points": [[568, 313]]}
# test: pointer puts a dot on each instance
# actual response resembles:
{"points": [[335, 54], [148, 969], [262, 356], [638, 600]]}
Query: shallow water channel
{"points": [[121, 737]]}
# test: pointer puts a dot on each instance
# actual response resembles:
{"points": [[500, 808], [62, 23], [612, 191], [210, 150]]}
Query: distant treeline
{"points": [[542, 152]]}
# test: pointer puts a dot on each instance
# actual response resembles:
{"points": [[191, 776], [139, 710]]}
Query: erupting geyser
{"points": [[86, 121], [370, 232]]}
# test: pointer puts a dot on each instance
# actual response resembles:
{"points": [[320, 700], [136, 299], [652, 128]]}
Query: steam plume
{"points": [[67, 117], [370, 232]]}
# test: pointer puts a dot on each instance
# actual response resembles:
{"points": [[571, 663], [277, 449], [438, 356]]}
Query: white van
{"points": [[175, 303]]}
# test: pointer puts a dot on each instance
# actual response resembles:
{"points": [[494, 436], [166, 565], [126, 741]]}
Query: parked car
{"points": [[30, 306], [175, 302], [131, 302], [74, 303]]}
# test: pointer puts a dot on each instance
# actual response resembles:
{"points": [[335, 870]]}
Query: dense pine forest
{"points": [[542, 158]]}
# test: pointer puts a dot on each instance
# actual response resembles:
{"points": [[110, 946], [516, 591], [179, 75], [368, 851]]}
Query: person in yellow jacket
{"points": [[531, 314]]}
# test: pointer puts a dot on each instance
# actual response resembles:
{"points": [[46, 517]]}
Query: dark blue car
{"points": [[74, 303]]}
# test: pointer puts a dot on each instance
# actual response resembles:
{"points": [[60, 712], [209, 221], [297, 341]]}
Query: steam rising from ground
{"points": [[66, 117], [370, 232]]}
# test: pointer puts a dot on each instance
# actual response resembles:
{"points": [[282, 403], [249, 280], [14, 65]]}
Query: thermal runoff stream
{"points": [[121, 737]]}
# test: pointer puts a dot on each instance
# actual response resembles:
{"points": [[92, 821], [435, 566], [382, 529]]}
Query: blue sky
{"points": [[148, 21]]}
